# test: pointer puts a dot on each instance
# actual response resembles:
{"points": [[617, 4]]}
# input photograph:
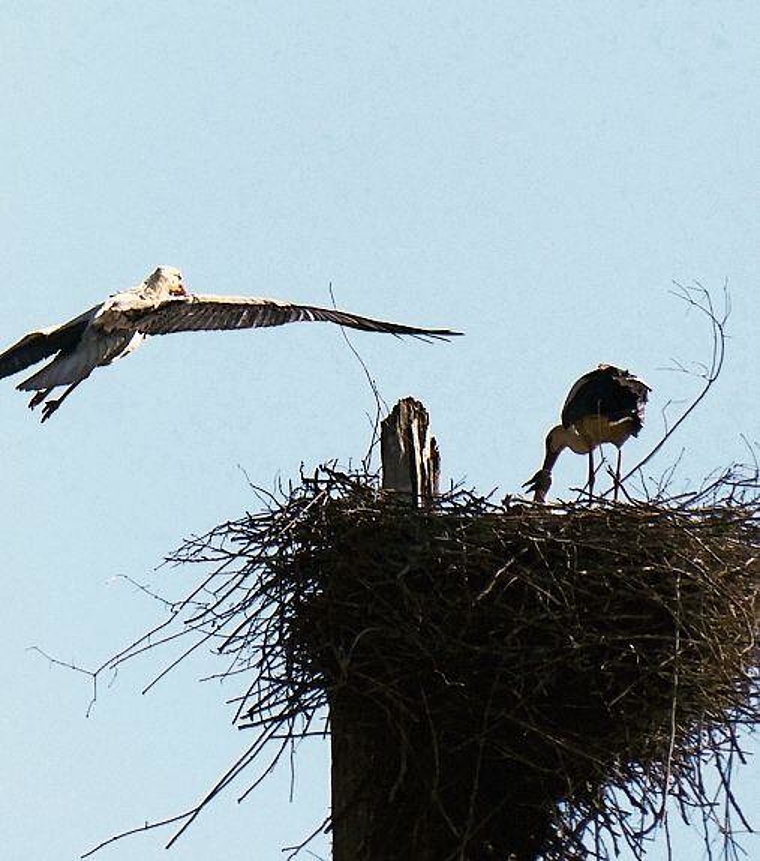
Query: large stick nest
{"points": [[540, 679]]}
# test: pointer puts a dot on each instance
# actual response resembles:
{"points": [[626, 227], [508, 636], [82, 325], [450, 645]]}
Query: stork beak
{"points": [[539, 485], [179, 290]]}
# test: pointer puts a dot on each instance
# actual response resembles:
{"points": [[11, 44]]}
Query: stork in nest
{"points": [[605, 405]]}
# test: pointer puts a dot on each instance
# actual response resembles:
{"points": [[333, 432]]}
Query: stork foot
{"points": [[38, 398], [49, 408]]}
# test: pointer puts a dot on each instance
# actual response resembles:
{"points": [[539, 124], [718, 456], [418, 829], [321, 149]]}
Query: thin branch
{"points": [[380, 405], [148, 826], [698, 298]]}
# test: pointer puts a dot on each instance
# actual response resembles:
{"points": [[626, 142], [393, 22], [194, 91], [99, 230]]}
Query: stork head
{"points": [[165, 281], [539, 484]]}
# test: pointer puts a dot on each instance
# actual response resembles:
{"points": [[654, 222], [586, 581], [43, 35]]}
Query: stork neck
{"points": [[554, 445], [558, 439]]}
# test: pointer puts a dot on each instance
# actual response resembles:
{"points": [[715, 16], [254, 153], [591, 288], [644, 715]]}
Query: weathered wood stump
{"points": [[361, 743], [410, 458]]}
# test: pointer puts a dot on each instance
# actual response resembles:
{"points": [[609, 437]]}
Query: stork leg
{"points": [[51, 406], [591, 475], [39, 397], [617, 474]]}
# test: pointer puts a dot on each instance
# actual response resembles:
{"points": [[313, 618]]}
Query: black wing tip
{"points": [[432, 334], [623, 375]]}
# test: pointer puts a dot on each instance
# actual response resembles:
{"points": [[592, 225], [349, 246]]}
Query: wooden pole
{"points": [[410, 458], [400, 790], [364, 756]]}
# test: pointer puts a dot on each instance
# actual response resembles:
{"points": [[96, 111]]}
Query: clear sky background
{"points": [[534, 174]]}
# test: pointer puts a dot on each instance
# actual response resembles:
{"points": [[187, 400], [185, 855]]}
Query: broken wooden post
{"points": [[410, 458], [364, 755]]}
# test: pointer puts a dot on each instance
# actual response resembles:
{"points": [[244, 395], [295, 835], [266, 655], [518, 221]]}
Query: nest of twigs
{"points": [[534, 681]]}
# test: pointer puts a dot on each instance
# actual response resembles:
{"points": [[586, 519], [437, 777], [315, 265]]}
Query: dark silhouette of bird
{"points": [[605, 405], [157, 306]]}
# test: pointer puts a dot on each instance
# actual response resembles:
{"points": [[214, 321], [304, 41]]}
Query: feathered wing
{"points": [[36, 346], [194, 313], [94, 348], [607, 391]]}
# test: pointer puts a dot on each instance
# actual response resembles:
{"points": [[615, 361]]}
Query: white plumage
{"points": [[158, 306], [604, 405]]}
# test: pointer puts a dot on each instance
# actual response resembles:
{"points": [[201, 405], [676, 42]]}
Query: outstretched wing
{"points": [[35, 346], [194, 313]]}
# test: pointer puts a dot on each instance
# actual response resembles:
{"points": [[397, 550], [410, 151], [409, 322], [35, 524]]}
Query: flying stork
{"points": [[604, 405], [157, 306]]}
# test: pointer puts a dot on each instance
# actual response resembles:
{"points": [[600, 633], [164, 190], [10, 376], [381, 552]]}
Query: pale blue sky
{"points": [[534, 174]]}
